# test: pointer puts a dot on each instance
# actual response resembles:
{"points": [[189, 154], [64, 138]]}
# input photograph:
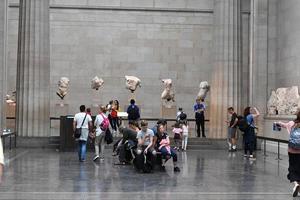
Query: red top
{"points": [[114, 113]]}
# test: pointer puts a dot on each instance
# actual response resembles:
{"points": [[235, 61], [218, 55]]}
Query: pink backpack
{"points": [[105, 123]]}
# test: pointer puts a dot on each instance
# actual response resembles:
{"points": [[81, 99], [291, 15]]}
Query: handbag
{"points": [[77, 132], [108, 137]]}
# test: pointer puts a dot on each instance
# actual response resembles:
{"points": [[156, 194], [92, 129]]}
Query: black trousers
{"points": [[294, 167], [200, 124]]}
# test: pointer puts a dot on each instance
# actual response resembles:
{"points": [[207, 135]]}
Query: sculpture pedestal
{"points": [[168, 113], [95, 109], [11, 116], [61, 109]]}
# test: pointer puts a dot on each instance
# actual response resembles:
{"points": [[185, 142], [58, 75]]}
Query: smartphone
{"points": [[276, 127]]}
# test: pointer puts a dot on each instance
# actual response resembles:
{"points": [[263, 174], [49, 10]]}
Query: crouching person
{"points": [[128, 142], [146, 155], [163, 145]]}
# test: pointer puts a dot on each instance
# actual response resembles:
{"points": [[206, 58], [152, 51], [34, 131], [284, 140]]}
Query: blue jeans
{"points": [[81, 150], [166, 155]]}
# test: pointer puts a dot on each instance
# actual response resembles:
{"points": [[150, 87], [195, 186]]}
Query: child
{"points": [[177, 131], [185, 130]]}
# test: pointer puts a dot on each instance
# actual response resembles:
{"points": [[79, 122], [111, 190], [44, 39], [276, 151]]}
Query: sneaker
{"points": [[95, 158], [101, 159], [296, 190], [245, 155], [176, 169], [82, 160]]}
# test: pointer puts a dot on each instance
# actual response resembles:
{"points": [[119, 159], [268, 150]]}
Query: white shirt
{"points": [[1, 153], [97, 123], [185, 130], [79, 118]]}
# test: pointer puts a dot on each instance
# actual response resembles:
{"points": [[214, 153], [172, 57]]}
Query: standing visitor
{"points": [[114, 116], [177, 131], [293, 128], [232, 129], [185, 131], [199, 109], [84, 121], [100, 134], [250, 115], [133, 111]]}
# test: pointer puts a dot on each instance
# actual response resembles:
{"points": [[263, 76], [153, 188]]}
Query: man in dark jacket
{"points": [[133, 111]]}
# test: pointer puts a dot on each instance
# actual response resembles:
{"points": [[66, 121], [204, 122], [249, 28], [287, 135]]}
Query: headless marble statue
{"points": [[204, 89], [132, 82], [96, 83]]}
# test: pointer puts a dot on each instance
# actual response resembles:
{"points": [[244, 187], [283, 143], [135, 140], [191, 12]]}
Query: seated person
{"points": [[163, 145], [1, 161], [145, 143], [160, 121]]}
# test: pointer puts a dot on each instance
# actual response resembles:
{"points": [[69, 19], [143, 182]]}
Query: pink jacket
{"points": [[289, 125], [165, 143]]}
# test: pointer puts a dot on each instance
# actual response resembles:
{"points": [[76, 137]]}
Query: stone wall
{"points": [[149, 39], [288, 65]]}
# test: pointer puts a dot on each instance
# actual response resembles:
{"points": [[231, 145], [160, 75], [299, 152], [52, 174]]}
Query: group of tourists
{"points": [[145, 141], [246, 124], [148, 147]]}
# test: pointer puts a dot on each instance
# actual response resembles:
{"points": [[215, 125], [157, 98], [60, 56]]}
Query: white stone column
{"points": [[226, 73], [33, 69], [3, 30]]}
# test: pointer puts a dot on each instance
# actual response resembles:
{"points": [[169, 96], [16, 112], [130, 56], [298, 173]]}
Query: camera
{"points": [[276, 127]]}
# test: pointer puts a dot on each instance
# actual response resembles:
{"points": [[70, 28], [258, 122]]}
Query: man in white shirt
{"points": [[1, 160], [84, 121], [100, 135], [145, 142]]}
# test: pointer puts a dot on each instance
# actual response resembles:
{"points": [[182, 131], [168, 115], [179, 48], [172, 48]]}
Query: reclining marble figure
{"points": [[132, 82], [168, 93], [63, 85], [96, 83], [204, 89], [284, 101]]}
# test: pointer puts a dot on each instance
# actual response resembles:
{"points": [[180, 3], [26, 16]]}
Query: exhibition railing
{"points": [[272, 140]]}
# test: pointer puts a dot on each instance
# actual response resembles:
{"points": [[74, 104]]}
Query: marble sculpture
{"points": [[132, 82], [63, 85], [284, 101], [96, 83], [204, 89]]}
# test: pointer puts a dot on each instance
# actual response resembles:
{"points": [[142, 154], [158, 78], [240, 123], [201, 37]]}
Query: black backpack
{"points": [[133, 113], [182, 116], [243, 124]]}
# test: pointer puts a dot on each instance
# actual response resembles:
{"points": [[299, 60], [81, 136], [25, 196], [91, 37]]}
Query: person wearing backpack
{"points": [[249, 134], [82, 121], [293, 128], [133, 111], [102, 124]]}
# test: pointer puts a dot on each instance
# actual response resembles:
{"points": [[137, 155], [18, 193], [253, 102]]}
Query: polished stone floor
{"points": [[206, 174]]}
